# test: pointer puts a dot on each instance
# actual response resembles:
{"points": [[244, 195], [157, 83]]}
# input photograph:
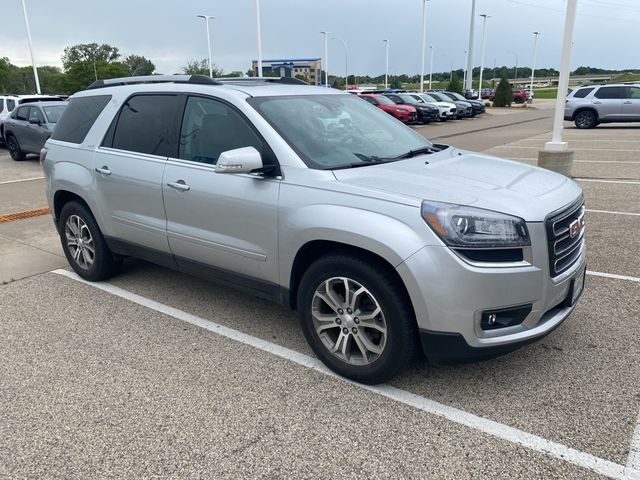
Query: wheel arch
{"points": [[585, 108], [61, 198]]}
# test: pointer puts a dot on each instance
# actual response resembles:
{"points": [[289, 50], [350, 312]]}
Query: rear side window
{"points": [[610, 92], [583, 92], [1, 105], [78, 118], [145, 125]]}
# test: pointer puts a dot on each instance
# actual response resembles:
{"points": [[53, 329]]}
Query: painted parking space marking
{"points": [[614, 276], [610, 212], [600, 180], [634, 452], [490, 427], [21, 180]]}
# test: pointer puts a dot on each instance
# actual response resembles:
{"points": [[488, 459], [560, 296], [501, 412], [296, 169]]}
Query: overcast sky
{"points": [[168, 32]]}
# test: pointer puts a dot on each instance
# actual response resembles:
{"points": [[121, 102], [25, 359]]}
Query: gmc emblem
{"points": [[576, 226]]}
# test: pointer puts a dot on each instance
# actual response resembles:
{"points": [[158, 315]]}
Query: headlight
{"points": [[399, 110], [462, 226]]}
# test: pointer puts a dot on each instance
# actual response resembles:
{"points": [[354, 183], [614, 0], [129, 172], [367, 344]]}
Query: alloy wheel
{"points": [[79, 242], [584, 119]]}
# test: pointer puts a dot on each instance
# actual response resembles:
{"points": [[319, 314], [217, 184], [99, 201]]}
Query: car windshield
{"points": [[457, 96], [384, 100], [53, 113], [440, 97], [337, 131], [428, 98], [408, 99]]}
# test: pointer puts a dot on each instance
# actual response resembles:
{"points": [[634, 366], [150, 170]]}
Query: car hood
{"points": [[467, 178], [444, 104]]}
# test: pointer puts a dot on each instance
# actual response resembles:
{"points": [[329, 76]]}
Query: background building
{"points": [[309, 68]]}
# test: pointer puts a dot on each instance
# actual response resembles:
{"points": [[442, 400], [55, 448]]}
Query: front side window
{"points": [[633, 92], [11, 104], [210, 127], [22, 114], [145, 125], [337, 131], [371, 100], [610, 93], [35, 115]]}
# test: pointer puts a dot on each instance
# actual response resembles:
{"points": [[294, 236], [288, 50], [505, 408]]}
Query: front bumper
{"points": [[449, 296]]}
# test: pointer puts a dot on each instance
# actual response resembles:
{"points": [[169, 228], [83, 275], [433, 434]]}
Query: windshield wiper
{"points": [[364, 163], [418, 151]]}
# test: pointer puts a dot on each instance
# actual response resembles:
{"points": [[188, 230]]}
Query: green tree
{"points": [[80, 75], [504, 94], [201, 67], [455, 85], [139, 65], [92, 52], [395, 82]]}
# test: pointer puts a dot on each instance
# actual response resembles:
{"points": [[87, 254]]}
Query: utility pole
{"points": [[431, 66], [515, 76], [326, 58], [206, 22], [469, 83], [346, 63], [33, 62], [464, 69], [533, 68], [424, 42], [484, 36], [259, 38], [386, 68]]}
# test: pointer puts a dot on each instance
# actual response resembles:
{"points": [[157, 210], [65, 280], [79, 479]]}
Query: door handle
{"points": [[628, 102], [597, 103], [104, 170], [179, 185]]}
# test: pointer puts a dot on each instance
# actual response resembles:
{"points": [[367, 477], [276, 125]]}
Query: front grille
{"points": [[565, 237]]}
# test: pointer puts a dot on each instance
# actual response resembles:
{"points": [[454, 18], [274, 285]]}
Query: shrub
{"points": [[455, 85], [504, 94]]}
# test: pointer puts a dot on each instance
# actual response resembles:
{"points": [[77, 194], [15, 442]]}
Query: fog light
{"points": [[504, 317]]}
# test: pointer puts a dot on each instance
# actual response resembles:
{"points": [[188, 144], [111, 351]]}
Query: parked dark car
{"points": [[29, 127], [478, 106], [465, 109], [488, 93], [426, 113]]}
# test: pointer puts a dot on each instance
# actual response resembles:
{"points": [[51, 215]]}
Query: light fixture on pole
{"points": [[515, 76], [469, 83], [484, 37], [533, 68], [326, 58], [258, 34], [432, 49], [33, 62], [346, 62], [206, 22], [386, 68], [424, 43]]}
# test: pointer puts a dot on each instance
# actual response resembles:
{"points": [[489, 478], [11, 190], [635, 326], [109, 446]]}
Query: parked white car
{"points": [[448, 110]]}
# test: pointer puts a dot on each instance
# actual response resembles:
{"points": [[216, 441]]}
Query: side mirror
{"points": [[239, 160], [35, 121]]}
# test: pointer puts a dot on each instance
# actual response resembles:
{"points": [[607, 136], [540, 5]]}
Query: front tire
{"points": [[14, 149], [357, 318], [83, 244], [586, 119]]}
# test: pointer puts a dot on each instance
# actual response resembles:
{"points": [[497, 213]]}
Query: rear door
{"points": [[128, 170], [631, 104], [225, 221], [18, 123], [608, 101]]}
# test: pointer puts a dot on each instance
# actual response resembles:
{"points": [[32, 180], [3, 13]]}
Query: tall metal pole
{"points": [[326, 58], [33, 62], [424, 44], [533, 68], [346, 62], [469, 83], [464, 69], [386, 68], [206, 22], [259, 38], [515, 76], [431, 66], [556, 142], [484, 37]]}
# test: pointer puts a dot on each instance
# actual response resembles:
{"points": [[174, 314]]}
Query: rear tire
{"points": [[14, 149], [586, 119], [345, 331], [83, 244]]}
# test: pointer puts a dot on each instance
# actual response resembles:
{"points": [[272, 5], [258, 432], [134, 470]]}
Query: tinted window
{"points": [[583, 92], [54, 113], [35, 115], [394, 98], [371, 100], [144, 124], [1, 105], [78, 118], [11, 104], [633, 92], [610, 92], [22, 113], [210, 127]]}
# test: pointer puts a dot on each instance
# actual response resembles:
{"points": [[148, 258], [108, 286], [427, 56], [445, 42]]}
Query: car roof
{"points": [[45, 104]]}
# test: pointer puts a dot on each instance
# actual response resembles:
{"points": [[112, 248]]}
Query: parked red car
{"points": [[519, 96], [404, 113]]}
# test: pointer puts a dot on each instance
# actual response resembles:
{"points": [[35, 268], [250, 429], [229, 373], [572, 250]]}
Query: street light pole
{"points": [[326, 58], [259, 38], [431, 66], [424, 44], [206, 22], [33, 62], [515, 76], [386, 68], [533, 68], [484, 37], [469, 83], [346, 62], [464, 69]]}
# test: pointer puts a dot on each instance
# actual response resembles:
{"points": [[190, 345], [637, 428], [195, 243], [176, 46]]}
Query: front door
{"points": [[631, 104], [225, 221]]}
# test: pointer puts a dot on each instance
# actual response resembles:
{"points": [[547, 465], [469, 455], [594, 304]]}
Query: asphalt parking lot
{"points": [[158, 374]]}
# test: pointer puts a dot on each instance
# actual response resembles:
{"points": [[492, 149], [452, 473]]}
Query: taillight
{"points": [[43, 155]]}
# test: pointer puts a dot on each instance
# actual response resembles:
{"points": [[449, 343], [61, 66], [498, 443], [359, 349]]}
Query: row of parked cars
{"points": [[26, 122], [414, 107]]}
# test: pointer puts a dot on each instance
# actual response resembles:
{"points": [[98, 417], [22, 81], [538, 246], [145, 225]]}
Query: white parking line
{"points": [[21, 180], [624, 162], [499, 430], [612, 212], [634, 452], [613, 275], [597, 180]]}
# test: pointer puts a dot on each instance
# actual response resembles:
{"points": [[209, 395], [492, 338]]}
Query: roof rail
{"points": [[258, 80], [112, 82]]}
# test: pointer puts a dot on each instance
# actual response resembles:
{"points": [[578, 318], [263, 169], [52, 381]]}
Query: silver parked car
{"points": [[29, 127], [592, 105], [385, 243]]}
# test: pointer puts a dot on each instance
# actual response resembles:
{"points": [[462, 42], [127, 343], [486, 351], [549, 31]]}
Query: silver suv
{"points": [[592, 105], [385, 243]]}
